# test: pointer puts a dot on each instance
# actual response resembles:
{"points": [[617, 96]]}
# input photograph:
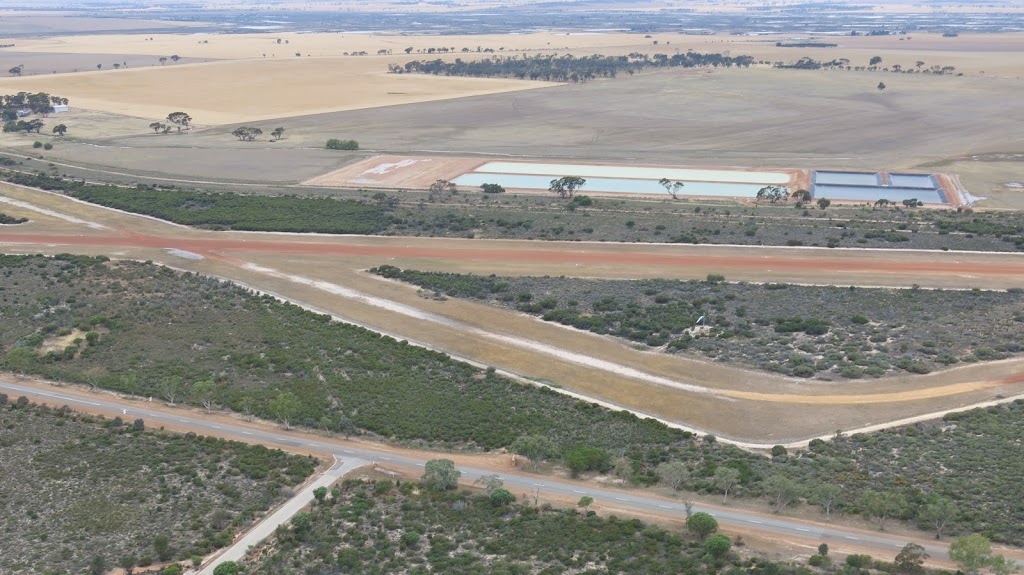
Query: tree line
{"points": [[37, 103], [567, 68]]}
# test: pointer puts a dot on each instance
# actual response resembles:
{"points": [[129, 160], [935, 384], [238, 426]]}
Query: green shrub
{"points": [[336, 144], [859, 561], [37, 145], [47, 146], [818, 561]]}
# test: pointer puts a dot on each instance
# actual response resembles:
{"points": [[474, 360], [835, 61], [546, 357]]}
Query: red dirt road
{"points": [[638, 255]]}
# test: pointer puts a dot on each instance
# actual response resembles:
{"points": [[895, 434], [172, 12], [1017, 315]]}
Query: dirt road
{"points": [[645, 504]]}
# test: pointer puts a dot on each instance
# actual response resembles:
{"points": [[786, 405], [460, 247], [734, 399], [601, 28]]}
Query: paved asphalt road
{"points": [[879, 544]]}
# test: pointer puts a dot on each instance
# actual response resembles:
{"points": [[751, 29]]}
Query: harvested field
{"points": [[45, 63], [995, 54], [273, 88], [395, 172]]}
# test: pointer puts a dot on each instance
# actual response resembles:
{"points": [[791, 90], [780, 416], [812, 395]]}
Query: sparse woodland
{"points": [[80, 491], [825, 332]]}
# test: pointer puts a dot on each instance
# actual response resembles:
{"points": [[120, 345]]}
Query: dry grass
{"points": [[265, 80], [242, 91]]}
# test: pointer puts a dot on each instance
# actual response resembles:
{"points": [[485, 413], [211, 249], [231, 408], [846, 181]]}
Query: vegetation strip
{"points": [[224, 210], [567, 68], [7, 220], [449, 212]]}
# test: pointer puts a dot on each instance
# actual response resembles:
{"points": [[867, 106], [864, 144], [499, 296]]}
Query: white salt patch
{"points": [[183, 254]]}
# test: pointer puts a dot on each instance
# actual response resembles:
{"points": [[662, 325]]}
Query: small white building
{"points": [[60, 108]]}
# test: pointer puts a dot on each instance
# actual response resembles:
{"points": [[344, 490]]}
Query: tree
{"points": [[801, 195], [443, 186], [701, 524], [772, 193], [972, 553], [582, 459], [277, 134], [60, 129], [501, 497], [824, 203], [718, 545], [536, 448], [441, 475], [826, 496], [782, 490], [284, 407], [175, 58], [881, 85], [492, 188], [180, 119], [911, 559], [938, 514], [320, 493], [202, 391], [100, 67], [671, 187], [675, 474], [162, 546], [823, 549], [246, 133], [172, 569], [98, 565], [157, 126], [585, 502], [128, 563], [875, 60], [170, 389], [881, 505], [163, 60], [566, 186], [726, 478], [227, 568], [16, 71]]}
